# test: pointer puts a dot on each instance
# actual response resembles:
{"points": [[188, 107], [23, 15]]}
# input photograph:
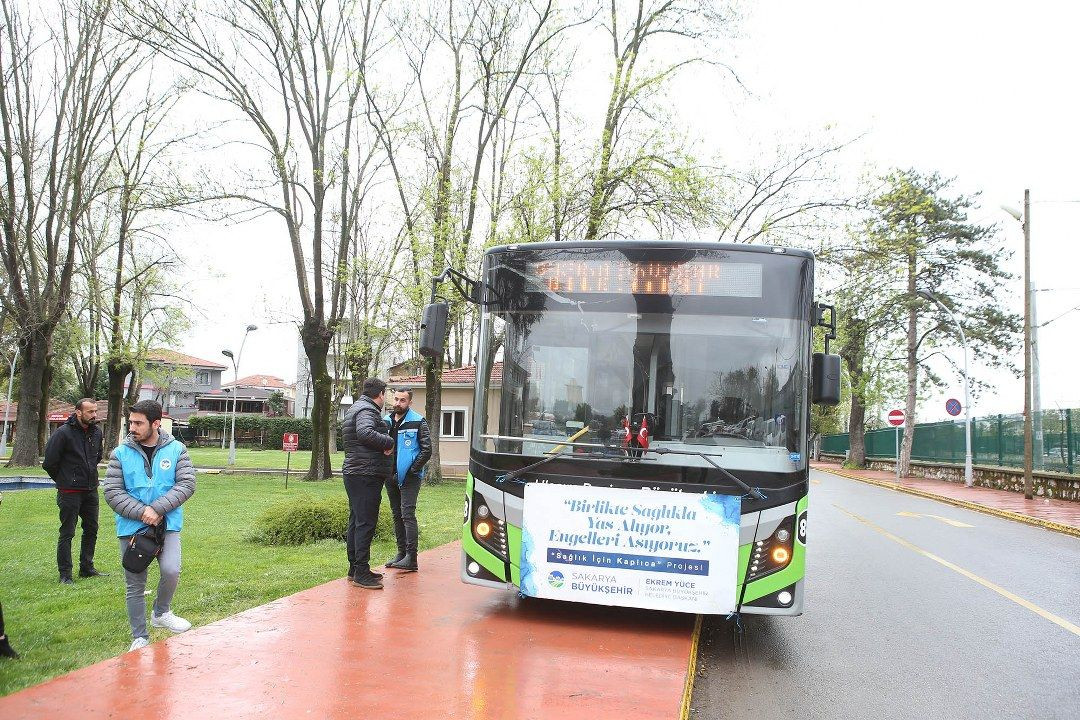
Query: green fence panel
{"points": [[838, 443], [995, 440]]}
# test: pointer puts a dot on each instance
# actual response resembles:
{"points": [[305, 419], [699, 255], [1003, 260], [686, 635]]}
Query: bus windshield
{"points": [[592, 354]]}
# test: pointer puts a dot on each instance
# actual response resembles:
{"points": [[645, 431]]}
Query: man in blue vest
{"points": [[149, 477], [412, 450]]}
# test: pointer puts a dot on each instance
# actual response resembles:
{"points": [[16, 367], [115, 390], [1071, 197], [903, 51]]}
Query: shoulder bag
{"points": [[143, 547]]}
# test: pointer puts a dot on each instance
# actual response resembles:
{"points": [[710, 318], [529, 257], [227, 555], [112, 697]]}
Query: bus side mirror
{"points": [[825, 376], [433, 329]]}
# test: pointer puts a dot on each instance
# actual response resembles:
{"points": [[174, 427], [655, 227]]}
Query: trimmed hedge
{"points": [[269, 428], [302, 521]]}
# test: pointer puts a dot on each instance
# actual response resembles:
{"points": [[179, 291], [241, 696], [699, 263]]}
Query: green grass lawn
{"points": [[215, 457], [58, 628], [257, 459], [27, 472]]}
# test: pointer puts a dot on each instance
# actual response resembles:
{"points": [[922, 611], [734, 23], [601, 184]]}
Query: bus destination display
{"points": [[697, 277]]}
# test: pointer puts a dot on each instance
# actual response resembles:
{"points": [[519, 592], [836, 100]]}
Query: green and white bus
{"points": [[682, 367]]}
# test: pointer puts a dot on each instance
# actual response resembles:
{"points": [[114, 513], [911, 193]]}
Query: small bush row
{"points": [[303, 521]]}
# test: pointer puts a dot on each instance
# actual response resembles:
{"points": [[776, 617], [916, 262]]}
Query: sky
{"points": [[982, 91]]}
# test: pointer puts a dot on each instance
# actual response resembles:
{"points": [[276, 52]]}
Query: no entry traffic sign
{"points": [[896, 418], [952, 406]]}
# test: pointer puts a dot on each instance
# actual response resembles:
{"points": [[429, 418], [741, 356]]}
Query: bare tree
{"points": [[640, 170], [468, 63], [54, 130], [293, 73]]}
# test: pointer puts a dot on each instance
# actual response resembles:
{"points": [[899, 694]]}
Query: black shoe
{"points": [[370, 581], [406, 564], [353, 572], [7, 651], [396, 560], [66, 580], [92, 572]]}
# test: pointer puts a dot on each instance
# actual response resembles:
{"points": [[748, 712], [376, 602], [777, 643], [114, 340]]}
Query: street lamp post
{"points": [[1029, 481], [968, 479], [236, 391], [7, 407]]}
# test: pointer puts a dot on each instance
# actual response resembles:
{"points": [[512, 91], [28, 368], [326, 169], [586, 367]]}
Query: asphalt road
{"points": [[891, 633]]}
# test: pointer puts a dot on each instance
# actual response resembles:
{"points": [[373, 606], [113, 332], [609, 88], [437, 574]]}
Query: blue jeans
{"points": [[365, 496]]}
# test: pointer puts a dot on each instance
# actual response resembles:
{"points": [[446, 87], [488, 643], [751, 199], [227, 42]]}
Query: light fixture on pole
{"points": [[7, 407], [236, 391], [1025, 220], [968, 474]]}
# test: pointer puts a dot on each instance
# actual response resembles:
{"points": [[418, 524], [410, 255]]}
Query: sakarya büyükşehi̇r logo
{"points": [[555, 579]]}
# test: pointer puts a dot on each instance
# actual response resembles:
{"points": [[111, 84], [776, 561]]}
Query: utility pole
{"points": [[1036, 395], [1029, 481]]}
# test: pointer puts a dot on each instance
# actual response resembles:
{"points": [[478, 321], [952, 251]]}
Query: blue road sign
{"points": [[952, 406]]}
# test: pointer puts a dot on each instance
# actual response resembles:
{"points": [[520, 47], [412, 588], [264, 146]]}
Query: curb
{"points": [[691, 671], [1005, 514]]}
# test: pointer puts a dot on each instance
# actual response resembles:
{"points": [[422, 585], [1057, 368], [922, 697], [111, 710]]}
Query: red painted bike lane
{"points": [[428, 646]]}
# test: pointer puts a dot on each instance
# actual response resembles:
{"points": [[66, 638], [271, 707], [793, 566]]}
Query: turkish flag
{"points": [[643, 434]]}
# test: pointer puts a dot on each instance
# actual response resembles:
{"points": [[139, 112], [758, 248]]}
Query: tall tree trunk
{"points": [[433, 413], [43, 407], [117, 373], [33, 361], [132, 396], [911, 351], [317, 340], [854, 355]]}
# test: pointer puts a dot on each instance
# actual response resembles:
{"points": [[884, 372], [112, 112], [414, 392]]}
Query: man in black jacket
{"points": [[368, 447], [71, 459]]}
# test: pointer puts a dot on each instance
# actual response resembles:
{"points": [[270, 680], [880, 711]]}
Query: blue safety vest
{"points": [[408, 442], [146, 488]]}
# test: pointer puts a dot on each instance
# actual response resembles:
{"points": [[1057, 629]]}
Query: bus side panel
{"points": [[794, 572], [513, 543], [473, 549]]}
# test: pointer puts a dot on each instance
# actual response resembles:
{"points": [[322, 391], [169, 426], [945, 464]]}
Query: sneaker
{"points": [[66, 580], [92, 572], [169, 622], [368, 582], [139, 642]]}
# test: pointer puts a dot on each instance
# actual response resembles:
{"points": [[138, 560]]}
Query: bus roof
{"points": [[650, 245]]}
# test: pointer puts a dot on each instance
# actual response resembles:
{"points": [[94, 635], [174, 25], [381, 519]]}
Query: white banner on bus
{"points": [[635, 548]]}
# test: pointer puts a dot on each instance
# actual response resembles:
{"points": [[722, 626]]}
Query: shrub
{"points": [[267, 429], [301, 521]]}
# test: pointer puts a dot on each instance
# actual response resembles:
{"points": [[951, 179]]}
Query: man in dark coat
{"points": [[72, 455], [368, 447]]}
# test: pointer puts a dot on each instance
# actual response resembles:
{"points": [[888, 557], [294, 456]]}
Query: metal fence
{"points": [[995, 440]]}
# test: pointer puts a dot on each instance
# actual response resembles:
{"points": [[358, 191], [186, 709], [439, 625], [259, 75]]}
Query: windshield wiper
{"points": [[513, 474], [753, 492]]}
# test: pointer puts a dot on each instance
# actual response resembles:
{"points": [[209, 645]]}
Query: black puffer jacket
{"points": [[366, 436], [72, 456]]}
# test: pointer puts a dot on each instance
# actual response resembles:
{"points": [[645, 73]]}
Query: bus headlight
{"points": [[773, 553], [489, 531]]}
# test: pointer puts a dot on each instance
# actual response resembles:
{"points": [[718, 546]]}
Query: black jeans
{"points": [[365, 495], [403, 505], [76, 506]]}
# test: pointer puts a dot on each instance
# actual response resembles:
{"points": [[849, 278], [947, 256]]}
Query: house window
{"points": [[453, 424], [202, 377]]}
